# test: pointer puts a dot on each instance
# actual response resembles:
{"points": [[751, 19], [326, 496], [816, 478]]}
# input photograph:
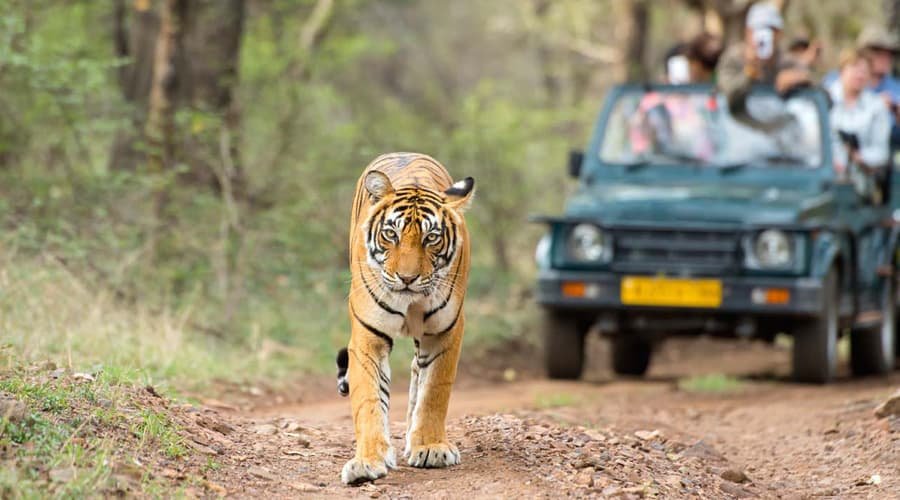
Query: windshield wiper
{"points": [[663, 157], [781, 158], [770, 159]]}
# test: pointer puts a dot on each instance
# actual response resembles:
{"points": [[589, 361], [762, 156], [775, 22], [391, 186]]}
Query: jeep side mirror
{"points": [[576, 157]]}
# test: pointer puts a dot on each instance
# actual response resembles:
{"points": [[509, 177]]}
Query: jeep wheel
{"points": [[564, 344], [815, 340], [872, 349], [630, 354]]}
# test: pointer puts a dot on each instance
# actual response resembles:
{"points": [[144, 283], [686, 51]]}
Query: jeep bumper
{"points": [[744, 295]]}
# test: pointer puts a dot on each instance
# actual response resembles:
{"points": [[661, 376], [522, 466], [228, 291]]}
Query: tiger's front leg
{"points": [[369, 377], [434, 371]]}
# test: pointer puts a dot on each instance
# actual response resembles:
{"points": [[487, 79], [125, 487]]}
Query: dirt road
{"points": [[604, 437]]}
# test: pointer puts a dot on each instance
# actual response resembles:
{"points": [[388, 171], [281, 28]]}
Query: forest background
{"points": [[176, 175]]}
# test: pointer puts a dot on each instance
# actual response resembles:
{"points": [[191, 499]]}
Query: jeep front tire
{"points": [[564, 335], [630, 354], [815, 340], [872, 350]]}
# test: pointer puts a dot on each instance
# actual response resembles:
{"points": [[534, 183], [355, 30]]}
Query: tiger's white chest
{"points": [[426, 316]]}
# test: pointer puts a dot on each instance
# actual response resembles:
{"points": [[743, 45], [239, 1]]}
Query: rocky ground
{"points": [[756, 436]]}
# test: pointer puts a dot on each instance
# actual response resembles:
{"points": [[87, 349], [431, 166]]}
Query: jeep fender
{"points": [[830, 248]]}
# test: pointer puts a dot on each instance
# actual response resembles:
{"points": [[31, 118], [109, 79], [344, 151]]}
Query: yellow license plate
{"points": [[648, 291]]}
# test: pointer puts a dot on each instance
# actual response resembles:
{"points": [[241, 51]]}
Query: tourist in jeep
{"points": [[759, 60], [862, 122]]}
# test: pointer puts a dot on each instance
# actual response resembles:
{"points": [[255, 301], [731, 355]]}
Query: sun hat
{"points": [[764, 15]]}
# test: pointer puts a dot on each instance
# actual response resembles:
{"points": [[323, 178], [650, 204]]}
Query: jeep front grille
{"points": [[680, 252]]}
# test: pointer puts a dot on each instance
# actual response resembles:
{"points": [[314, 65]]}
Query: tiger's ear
{"points": [[459, 195], [378, 185]]}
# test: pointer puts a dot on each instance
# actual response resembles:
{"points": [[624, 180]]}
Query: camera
{"points": [[849, 139]]}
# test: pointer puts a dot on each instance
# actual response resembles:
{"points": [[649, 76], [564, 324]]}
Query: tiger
{"points": [[409, 263]]}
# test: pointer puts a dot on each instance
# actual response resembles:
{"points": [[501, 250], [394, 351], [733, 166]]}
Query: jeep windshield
{"points": [[693, 126]]}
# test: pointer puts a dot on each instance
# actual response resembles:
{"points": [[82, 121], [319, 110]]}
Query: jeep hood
{"points": [[704, 203]]}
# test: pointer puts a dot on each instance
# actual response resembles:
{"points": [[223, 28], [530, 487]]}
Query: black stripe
{"points": [[452, 324], [449, 296], [427, 363], [375, 331], [361, 364], [380, 303]]}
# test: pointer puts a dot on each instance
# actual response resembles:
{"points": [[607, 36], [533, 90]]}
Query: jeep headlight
{"points": [[542, 252], [771, 249], [589, 243]]}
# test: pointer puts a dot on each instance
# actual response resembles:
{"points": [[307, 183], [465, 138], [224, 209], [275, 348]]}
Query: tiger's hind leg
{"points": [[434, 371], [369, 377]]}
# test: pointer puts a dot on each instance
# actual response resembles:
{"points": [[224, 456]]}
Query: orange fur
{"points": [[409, 261]]}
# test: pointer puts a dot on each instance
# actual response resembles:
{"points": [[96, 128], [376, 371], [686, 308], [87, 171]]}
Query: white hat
{"points": [[764, 15]]}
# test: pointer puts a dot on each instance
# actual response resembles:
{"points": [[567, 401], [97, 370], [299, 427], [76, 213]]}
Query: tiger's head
{"points": [[412, 235]]}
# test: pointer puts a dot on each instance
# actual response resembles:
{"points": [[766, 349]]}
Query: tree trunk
{"points": [[545, 58], [160, 127], [135, 31], [185, 58], [635, 16], [210, 69]]}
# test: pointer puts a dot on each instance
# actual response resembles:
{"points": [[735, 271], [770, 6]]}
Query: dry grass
{"points": [[48, 313]]}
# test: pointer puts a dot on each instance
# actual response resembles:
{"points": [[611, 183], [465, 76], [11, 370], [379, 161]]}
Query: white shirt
{"points": [[868, 118]]}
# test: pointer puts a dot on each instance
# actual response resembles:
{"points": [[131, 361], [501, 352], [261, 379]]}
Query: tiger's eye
{"points": [[389, 234], [431, 238]]}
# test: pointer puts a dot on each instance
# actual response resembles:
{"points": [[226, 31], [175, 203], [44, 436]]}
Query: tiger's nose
{"points": [[407, 279]]}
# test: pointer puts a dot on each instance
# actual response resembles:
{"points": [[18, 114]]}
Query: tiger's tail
{"points": [[343, 360]]}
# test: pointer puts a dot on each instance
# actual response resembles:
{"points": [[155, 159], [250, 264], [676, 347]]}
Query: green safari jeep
{"points": [[690, 218]]}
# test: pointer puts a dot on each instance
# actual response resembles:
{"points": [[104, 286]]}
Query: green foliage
{"points": [[64, 445], [155, 428], [555, 400], [715, 383], [161, 274]]}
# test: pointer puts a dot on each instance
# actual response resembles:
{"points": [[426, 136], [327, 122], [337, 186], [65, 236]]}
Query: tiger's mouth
{"points": [[408, 290]]}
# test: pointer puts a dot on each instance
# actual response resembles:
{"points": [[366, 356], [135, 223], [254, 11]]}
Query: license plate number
{"points": [[674, 292]]}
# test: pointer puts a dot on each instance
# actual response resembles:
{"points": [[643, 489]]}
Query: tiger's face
{"points": [[412, 235]]}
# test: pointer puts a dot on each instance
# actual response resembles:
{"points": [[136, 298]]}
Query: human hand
{"points": [[789, 78], [893, 107], [840, 168], [811, 54], [752, 62]]}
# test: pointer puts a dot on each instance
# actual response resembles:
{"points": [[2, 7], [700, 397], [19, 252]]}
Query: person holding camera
{"points": [[861, 122], [758, 59], [881, 47]]}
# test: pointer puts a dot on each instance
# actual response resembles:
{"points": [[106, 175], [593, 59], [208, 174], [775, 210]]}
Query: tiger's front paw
{"points": [[357, 471], [434, 455]]}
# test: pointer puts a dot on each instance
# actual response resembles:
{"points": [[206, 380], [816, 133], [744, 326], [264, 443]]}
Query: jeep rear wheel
{"points": [[564, 336], [630, 354], [872, 350], [815, 340]]}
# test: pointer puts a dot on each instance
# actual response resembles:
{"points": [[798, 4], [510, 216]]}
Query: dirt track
{"points": [[603, 437]]}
